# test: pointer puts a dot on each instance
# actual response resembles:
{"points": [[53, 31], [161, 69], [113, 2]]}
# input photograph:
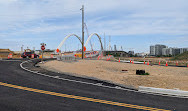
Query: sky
{"points": [[132, 24]]}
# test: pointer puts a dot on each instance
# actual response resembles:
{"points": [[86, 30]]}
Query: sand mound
{"points": [[160, 76]]}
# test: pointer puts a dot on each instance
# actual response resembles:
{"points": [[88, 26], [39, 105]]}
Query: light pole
{"points": [[82, 31]]}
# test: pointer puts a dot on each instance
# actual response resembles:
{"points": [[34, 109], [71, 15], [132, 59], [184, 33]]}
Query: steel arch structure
{"points": [[61, 44], [90, 38]]}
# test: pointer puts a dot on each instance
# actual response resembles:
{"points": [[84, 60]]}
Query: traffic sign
{"points": [[42, 47]]}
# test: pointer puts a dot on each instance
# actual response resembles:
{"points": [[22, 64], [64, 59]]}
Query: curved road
{"points": [[21, 90]]}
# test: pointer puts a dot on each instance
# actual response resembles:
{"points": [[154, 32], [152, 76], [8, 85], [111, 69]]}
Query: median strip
{"points": [[81, 98]]}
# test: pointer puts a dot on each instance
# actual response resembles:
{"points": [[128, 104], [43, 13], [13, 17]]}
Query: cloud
{"points": [[19, 18]]}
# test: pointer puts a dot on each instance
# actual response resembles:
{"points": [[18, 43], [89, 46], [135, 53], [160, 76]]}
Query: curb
{"points": [[173, 92]]}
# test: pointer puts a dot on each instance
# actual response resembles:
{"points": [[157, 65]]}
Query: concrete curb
{"points": [[174, 92]]}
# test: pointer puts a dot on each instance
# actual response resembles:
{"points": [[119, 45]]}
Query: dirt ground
{"points": [[160, 76]]}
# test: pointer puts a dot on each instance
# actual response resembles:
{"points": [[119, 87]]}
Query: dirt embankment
{"points": [[160, 76]]}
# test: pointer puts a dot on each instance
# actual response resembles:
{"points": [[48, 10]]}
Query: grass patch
{"points": [[183, 56]]}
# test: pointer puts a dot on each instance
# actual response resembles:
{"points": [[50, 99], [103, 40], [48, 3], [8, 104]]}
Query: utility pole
{"points": [[82, 31]]}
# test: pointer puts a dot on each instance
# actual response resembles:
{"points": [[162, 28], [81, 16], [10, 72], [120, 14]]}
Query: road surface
{"points": [[21, 90]]}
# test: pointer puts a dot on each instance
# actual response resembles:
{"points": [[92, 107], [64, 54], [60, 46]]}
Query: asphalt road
{"points": [[21, 90]]}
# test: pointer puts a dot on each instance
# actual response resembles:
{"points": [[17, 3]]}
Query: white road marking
{"points": [[95, 84]]}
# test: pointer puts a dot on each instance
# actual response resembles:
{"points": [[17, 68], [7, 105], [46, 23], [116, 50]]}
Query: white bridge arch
{"points": [[90, 38], [61, 44]]}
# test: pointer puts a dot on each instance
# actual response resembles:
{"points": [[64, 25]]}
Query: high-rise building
{"points": [[165, 51], [182, 50], [115, 49], [173, 51], [158, 49], [152, 50]]}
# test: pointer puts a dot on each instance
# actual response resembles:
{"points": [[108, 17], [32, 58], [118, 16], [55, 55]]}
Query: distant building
{"points": [[182, 50], [173, 51], [165, 51], [176, 51], [115, 49], [131, 52], [142, 54], [5, 52], [152, 50], [157, 49], [117, 53]]}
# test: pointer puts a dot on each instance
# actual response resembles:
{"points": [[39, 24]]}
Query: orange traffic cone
{"points": [[119, 59], [148, 63], [144, 62], [166, 63]]}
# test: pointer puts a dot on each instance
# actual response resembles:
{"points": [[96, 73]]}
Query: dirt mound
{"points": [[160, 76]]}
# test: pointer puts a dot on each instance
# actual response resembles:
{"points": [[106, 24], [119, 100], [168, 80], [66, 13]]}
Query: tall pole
{"points": [[82, 31]]}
